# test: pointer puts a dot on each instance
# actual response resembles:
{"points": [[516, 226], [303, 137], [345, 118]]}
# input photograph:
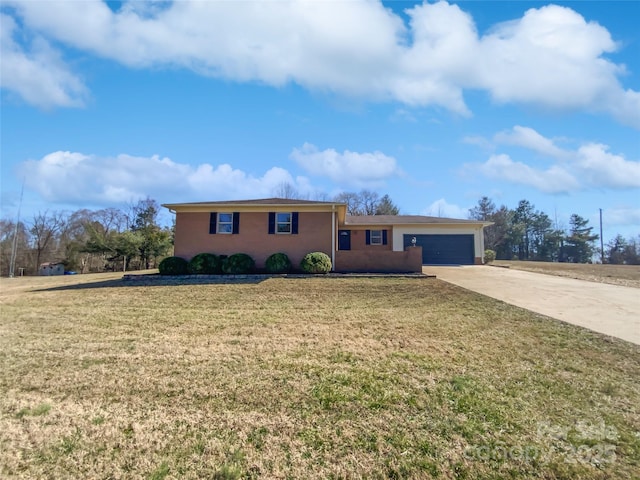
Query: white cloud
{"points": [[553, 58], [38, 76], [621, 216], [602, 168], [80, 179], [552, 180], [547, 56], [589, 166], [334, 46], [346, 168], [440, 208], [528, 138], [479, 141], [550, 57]]}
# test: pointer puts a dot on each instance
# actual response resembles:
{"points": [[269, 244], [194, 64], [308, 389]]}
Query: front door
{"points": [[344, 239]]}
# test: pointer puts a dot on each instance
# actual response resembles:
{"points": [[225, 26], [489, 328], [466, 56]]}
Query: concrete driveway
{"points": [[609, 309]]}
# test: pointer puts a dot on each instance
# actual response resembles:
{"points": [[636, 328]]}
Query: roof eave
{"points": [[213, 206], [417, 224]]}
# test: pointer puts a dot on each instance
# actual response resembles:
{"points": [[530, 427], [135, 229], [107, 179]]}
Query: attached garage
{"points": [[443, 241], [449, 249]]}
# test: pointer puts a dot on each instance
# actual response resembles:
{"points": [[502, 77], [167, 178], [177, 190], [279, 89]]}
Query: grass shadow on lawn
{"points": [[155, 282], [84, 286]]}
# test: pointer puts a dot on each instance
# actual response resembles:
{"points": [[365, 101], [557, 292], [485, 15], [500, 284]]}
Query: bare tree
{"points": [[320, 196], [111, 219], [44, 228], [369, 201], [23, 259], [353, 201], [286, 190]]}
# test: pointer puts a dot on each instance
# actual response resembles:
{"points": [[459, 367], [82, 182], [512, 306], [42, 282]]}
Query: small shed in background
{"points": [[51, 268]]}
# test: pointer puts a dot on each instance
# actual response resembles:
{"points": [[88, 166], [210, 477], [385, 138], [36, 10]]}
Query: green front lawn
{"points": [[307, 378]]}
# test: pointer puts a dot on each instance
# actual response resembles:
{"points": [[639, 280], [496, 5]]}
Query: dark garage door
{"points": [[444, 249]]}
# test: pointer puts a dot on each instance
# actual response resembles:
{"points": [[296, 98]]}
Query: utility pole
{"points": [[601, 240], [12, 262]]}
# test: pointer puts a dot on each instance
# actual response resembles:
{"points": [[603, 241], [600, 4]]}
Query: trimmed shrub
{"points": [[278, 263], [205, 263], [489, 256], [173, 266], [237, 264], [316, 262]]}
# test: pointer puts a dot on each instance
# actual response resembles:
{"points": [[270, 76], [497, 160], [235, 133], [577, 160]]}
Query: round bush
{"points": [[316, 262], [278, 263], [173, 266], [489, 256], [205, 263], [238, 263]]}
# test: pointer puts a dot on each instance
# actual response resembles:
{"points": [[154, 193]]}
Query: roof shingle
{"points": [[264, 201], [401, 219]]}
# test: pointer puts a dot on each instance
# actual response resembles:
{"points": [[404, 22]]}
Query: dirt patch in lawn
{"points": [[625, 275], [307, 378]]}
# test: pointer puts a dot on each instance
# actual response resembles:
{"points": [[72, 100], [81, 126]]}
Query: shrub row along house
{"points": [[371, 243]]}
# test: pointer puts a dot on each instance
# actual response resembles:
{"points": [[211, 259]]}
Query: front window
{"points": [[225, 223], [376, 237], [283, 222]]}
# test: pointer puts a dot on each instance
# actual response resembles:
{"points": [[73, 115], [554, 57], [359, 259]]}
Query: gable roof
{"points": [[259, 201], [265, 204], [261, 205], [407, 220]]}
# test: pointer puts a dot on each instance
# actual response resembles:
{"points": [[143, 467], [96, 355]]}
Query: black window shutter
{"points": [[384, 237], [213, 217], [272, 223], [236, 222], [368, 237], [294, 223]]}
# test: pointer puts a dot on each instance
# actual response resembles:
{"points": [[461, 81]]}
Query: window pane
{"points": [[283, 222], [283, 217], [376, 237], [225, 223]]}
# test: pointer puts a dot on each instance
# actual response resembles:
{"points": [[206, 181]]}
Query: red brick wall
{"points": [[359, 240], [373, 260], [192, 236]]}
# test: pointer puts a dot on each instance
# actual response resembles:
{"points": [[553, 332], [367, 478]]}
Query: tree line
{"points": [[86, 240], [364, 202], [524, 233], [367, 202], [113, 239], [131, 238]]}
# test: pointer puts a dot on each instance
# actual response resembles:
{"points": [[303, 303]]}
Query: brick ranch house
{"points": [[372, 243]]}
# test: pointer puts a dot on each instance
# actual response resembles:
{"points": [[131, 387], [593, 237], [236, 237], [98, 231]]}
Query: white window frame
{"points": [[285, 223], [224, 227], [375, 237]]}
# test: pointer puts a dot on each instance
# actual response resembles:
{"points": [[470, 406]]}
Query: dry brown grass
{"points": [[305, 378], [625, 275]]}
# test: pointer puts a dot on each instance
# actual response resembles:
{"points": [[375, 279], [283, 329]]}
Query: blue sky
{"points": [[435, 104]]}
